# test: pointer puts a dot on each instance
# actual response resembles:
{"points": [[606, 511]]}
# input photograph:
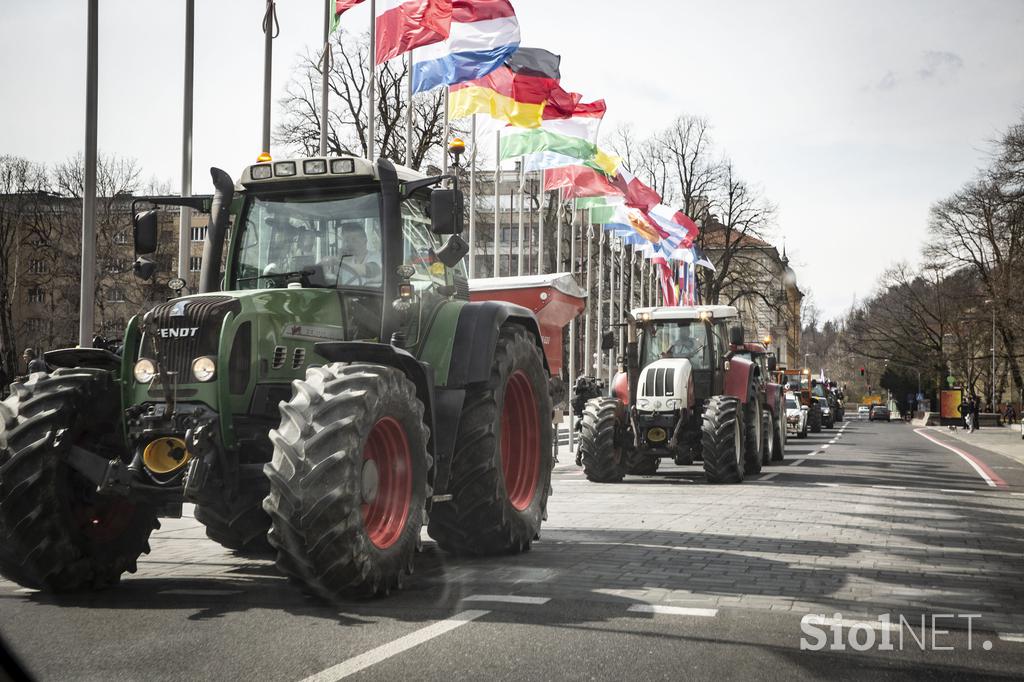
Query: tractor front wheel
{"points": [[604, 460], [501, 470], [348, 480], [722, 440], [779, 435], [56, 533], [240, 525], [814, 418], [753, 432]]}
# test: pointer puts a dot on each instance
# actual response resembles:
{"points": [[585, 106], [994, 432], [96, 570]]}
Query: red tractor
{"points": [[689, 390], [773, 398]]}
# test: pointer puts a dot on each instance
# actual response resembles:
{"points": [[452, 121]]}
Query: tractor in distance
{"points": [[323, 396], [687, 391], [772, 398], [799, 382]]}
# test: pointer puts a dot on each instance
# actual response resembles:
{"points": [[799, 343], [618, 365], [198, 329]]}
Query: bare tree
{"points": [[687, 142], [349, 106]]}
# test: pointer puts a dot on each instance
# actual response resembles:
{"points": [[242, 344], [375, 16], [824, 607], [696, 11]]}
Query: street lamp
{"points": [[989, 301]]}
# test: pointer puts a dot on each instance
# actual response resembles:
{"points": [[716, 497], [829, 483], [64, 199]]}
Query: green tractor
{"points": [[323, 396]]}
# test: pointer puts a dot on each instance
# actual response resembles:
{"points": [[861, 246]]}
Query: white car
{"points": [[796, 416], [864, 412]]}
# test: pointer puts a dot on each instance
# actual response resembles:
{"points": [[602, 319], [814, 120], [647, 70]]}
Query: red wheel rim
{"points": [[386, 483], [520, 441]]}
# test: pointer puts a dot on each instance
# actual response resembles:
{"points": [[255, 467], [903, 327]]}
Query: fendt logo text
{"points": [[178, 332]]}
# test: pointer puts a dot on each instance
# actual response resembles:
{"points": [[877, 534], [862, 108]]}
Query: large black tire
{"points": [[753, 432], [325, 494], [768, 438], [814, 417], [56, 533], [779, 434], [641, 465], [603, 460], [501, 470], [722, 440], [240, 525]]}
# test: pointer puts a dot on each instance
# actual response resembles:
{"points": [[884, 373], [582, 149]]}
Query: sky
{"points": [[852, 117]]}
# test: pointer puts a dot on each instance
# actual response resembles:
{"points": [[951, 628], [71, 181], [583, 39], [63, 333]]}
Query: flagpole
{"points": [[373, 81], [185, 213], [472, 198], [269, 21], [496, 268], [622, 297], [632, 273], [540, 226], [587, 355], [87, 292], [598, 352], [408, 131], [611, 301], [522, 180], [325, 65], [558, 232], [446, 134], [572, 323]]}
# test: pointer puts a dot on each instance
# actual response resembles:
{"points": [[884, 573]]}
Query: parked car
{"points": [[879, 413], [863, 412], [796, 416]]}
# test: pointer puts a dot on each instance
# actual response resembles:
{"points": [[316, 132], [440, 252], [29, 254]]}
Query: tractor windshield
{"points": [[682, 339], [321, 242]]}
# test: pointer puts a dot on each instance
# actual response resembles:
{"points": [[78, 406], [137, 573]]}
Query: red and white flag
{"points": [[403, 25]]}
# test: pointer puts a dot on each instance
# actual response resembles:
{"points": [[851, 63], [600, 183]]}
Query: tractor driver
{"points": [[359, 266], [683, 345]]}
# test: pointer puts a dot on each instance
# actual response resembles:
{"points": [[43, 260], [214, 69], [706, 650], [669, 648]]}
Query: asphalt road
{"points": [[660, 577]]}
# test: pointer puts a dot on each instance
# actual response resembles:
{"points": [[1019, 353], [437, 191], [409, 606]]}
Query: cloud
{"points": [[888, 81], [940, 65]]}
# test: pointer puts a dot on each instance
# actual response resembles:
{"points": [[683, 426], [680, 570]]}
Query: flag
{"points": [[579, 181], [340, 7], [583, 121], [638, 195], [503, 94], [701, 259], [532, 141], [402, 25], [668, 289], [483, 34]]}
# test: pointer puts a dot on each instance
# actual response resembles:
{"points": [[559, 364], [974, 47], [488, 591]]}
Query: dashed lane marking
{"points": [[890, 487], [673, 610], [767, 477], [956, 490], [201, 593], [386, 651], [508, 599], [828, 485], [1011, 636], [825, 446], [796, 462], [990, 477]]}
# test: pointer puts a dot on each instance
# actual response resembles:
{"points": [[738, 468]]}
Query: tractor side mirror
{"points": [[144, 229], [453, 251], [144, 268], [773, 363], [736, 335], [608, 340], [446, 212]]}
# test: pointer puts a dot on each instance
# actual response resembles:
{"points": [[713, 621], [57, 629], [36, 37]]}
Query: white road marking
{"points": [[891, 487], [202, 593], [828, 485], [1018, 494], [967, 458], [386, 651], [767, 477], [508, 599], [796, 462], [673, 610], [26, 590], [954, 490], [825, 446], [1011, 636]]}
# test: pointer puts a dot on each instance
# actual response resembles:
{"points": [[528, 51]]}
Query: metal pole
{"points": [[622, 298], [632, 276], [472, 198], [269, 20], [519, 244], [572, 325], [447, 134], [87, 292], [185, 214], [994, 355], [408, 135], [587, 354], [370, 144], [540, 226], [611, 301], [325, 74], [496, 271], [558, 232], [597, 363]]}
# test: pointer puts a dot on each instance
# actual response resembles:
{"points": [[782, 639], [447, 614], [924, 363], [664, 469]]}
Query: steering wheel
{"points": [[359, 279]]}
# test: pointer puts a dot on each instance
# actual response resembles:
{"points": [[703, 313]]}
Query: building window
{"points": [[195, 263], [37, 266], [35, 325], [115, 295], [121, 238], [198, 234], [36, 295]]}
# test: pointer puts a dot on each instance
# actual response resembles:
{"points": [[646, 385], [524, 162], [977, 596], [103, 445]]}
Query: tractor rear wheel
{"points": [[641, 464], [768, 438], [753, 432], [56, 533], [348, 480], [604, 460], [814, 418], [779, 434], [722, 440], [240, 525], [501, 470]]}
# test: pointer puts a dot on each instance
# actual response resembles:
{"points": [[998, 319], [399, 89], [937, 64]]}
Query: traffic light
{"points": [[862, 371]]}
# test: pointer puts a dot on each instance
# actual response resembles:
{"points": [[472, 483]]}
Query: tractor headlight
{"points": [[144, 371], [204, 368], [643, 403], [671, 403]]}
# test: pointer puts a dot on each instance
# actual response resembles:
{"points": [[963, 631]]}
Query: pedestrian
{"points": [[964, 408], [1010, 414], [975, 412], [35, 363]]}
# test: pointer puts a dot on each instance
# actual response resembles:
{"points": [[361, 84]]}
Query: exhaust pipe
{"points": [[220, 212]]}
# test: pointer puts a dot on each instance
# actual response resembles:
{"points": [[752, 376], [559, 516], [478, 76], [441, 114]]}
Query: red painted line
{"points": [[990, 477]]}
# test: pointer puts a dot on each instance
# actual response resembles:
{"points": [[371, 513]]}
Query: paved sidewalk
{"points": [[1004, 440]]}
